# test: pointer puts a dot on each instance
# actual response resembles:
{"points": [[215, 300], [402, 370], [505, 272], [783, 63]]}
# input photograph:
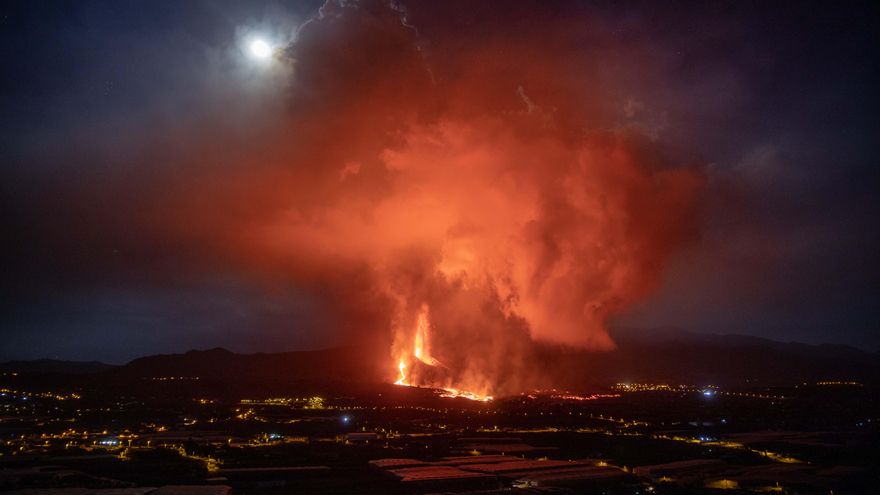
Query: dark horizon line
{"points": [[670, 336]]}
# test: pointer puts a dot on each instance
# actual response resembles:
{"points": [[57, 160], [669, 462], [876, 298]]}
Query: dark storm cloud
{"points": [[789, 246], [116, 114]]}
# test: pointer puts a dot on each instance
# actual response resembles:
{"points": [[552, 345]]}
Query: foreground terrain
{"points": [[152, 434]]}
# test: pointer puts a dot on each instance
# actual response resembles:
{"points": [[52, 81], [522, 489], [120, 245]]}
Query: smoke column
{"points": [[483, 180]]}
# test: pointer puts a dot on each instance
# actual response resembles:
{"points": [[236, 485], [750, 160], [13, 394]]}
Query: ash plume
{"points": [[424, 163], [481, 184]]}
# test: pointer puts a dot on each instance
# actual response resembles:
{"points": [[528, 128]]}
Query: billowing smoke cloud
{"points": [[487, 183], [481, 164], [524, 169]]}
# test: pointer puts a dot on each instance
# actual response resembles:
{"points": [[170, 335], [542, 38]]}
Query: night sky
{"points": [[163, 189]]}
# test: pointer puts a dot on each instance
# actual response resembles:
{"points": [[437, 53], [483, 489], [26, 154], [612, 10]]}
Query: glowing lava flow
{"points": [[421, 351], [402, 379], [454, 392]]}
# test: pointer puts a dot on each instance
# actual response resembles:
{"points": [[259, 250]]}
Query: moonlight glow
{"points": [[260, 49]]}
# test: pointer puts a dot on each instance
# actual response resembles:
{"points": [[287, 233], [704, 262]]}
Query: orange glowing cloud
{"points": [[409, 179]]}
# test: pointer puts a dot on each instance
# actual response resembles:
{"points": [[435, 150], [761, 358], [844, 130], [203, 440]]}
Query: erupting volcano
{"points": [[421, 352], [336, 246], [469, 217], [457, 206], [487, 241]]}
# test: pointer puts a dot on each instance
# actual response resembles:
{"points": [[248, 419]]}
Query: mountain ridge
{"points": [[674, 356]]}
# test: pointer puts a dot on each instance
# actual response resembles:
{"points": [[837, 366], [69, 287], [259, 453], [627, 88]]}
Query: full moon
{"points": [[260, 49]]}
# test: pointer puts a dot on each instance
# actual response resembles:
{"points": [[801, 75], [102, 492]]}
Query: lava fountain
{"points": [[421, 353]]}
